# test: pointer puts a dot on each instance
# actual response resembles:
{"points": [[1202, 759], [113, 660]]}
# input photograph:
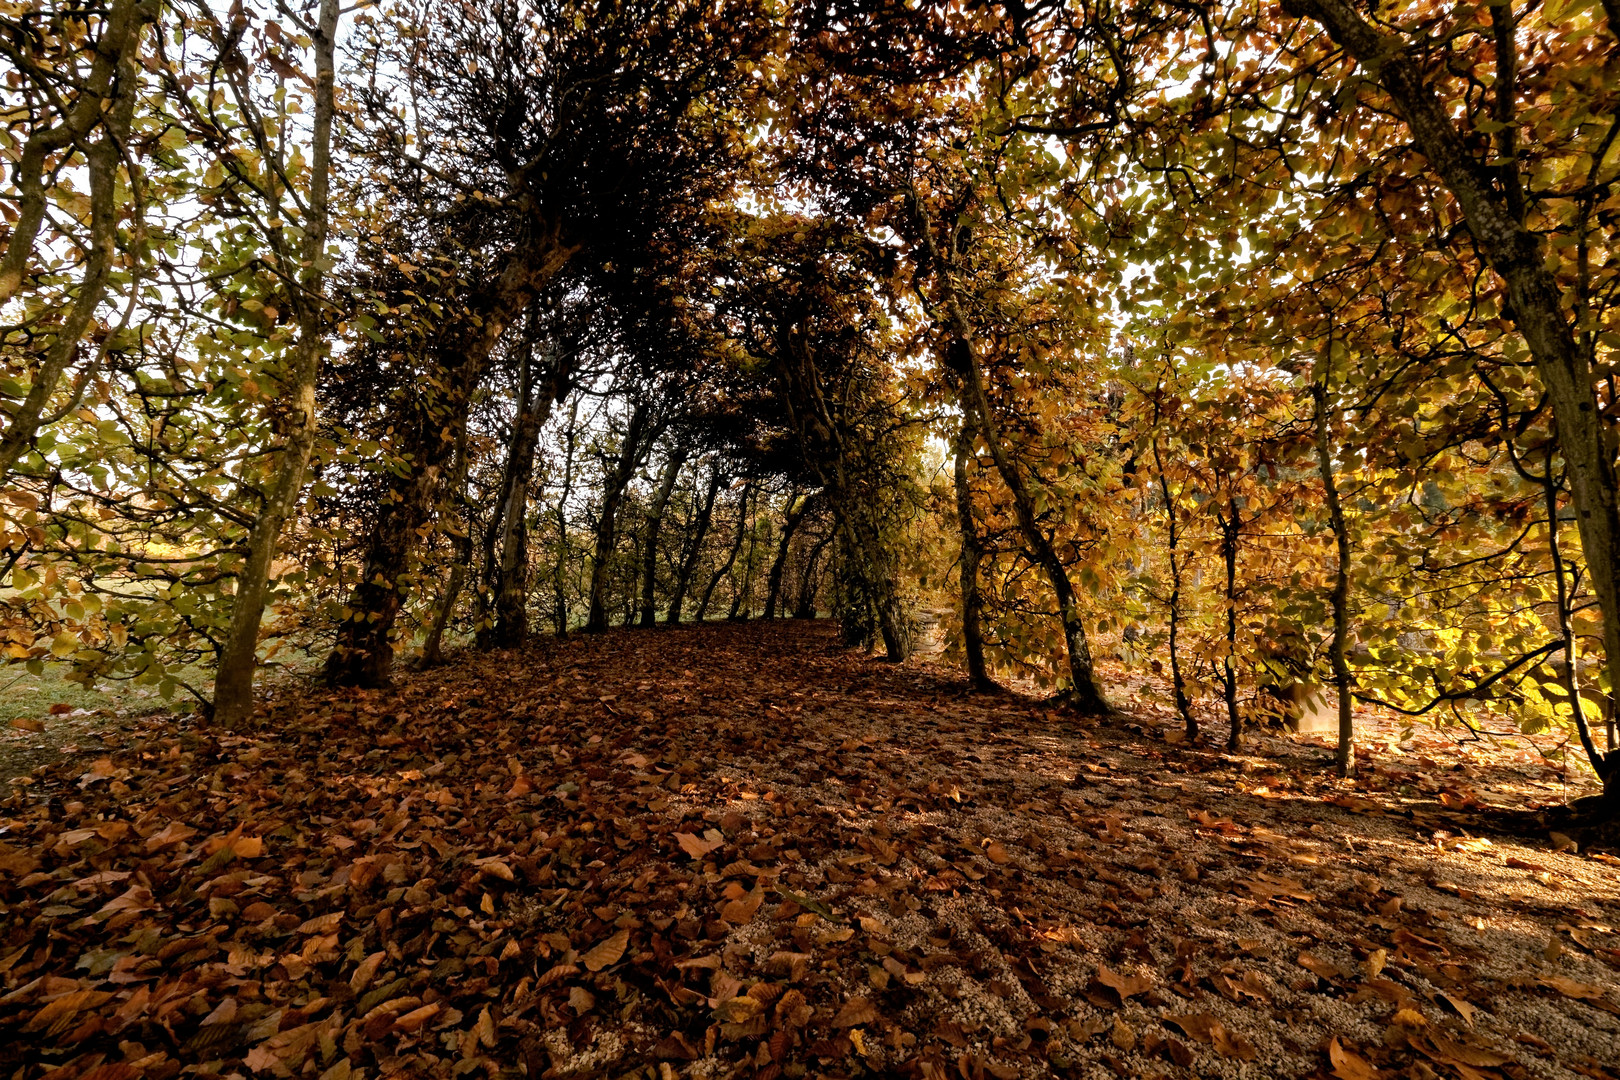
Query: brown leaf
{"points": [[1231, 1044], [1124, 1036], [1198, 1027], [1125, 986], [742, 910], [28, 723], [996, 852], [607, 953], [1463, 1009], [1319, 967], [366, 971], [699, 846], [56, 1015], [1348, 1065], [855, 1011]]}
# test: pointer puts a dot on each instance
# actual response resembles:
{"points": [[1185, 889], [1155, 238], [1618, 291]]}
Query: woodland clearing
{"points": [[743, 849]]}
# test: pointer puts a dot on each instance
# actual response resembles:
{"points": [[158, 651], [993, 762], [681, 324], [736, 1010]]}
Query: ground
{"points": [[744, 850]]}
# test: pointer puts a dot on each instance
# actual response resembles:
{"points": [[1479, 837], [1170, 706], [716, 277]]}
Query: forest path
{"points": [[741, 849]]}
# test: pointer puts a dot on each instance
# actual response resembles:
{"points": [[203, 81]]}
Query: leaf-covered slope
{"points": [[740, 847]]}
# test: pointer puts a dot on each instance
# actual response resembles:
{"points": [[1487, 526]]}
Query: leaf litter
{"points": [[743, 850]]}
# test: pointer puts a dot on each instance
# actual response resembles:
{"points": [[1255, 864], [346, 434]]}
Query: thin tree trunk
{"points": [[106, 100], [1229, 550], [1345, 758], [1178, 682], [743, 601], [433, 647], [613, 487], [1086, 695], [559, 594], [655, 521], [1535, 299], [790, 525], [238, 660], [1601, 763], [967, 564], [736, 546], [806, 607], [512, 596], [692, 547]]}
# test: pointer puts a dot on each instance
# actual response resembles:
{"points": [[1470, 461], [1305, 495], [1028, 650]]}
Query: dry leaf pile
{"points": [[741, 850]]}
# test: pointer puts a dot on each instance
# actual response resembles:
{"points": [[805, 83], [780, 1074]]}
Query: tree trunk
{"points": [[238, 659], [1602, 764], [743, 601], [1535, 298], [806, 607], [433, 647], [967, 564], [559, 616], [655, 521], [613, 487], [1229, 551], [790, 525], [736, 546], [1178, 682], [512, 574], [1085, 694], [1345, 758], [364, 653], [852, 505], [692, 547]]}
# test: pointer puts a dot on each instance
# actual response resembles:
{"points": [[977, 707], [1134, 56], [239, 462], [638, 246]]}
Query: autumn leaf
{"points": [[699, 846], [607, 953], [742, 910], [1348, 1065], [1126, 986], [855, 1011]]}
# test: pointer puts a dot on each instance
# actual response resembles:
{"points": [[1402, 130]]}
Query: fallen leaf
{"points": [[699, 846], [1348, 1065], [855, 1011], [1126, 986], [607, 953]]}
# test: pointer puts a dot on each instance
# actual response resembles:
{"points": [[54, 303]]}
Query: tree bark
{"points": [[853, 511], [967, 563], [806, 607], [1517, 255], [655, 521], [692, 547], [1338, 652], [613, 487], [238, 660], [560, 611]]}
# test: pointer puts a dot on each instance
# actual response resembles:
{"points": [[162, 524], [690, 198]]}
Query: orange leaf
{"points": [[1348, 1065], [607, 953]]}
